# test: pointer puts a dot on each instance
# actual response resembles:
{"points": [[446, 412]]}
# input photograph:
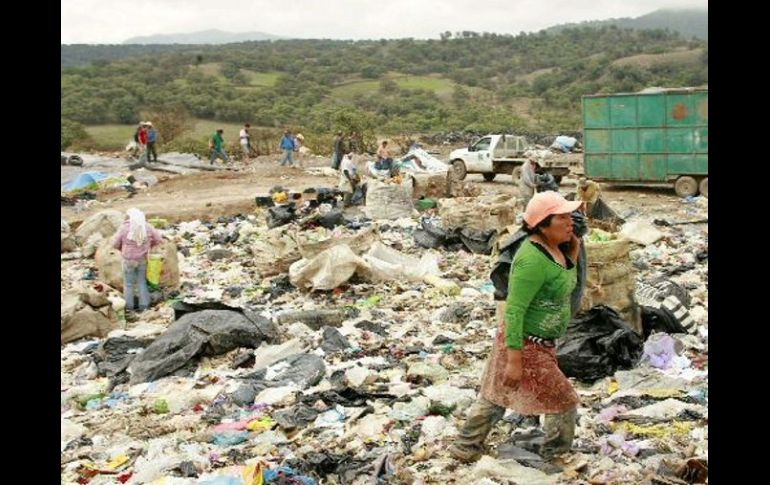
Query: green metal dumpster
{"points": [[654, 136]]}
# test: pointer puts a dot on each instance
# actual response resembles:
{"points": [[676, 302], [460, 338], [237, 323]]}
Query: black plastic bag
{"points": [[432, 236], [207, 332], [347, 396], [304, 370], [597, 344], [478, 242], [659, 320], [326, 195], [546, 182], [602, 211], [429, 235], [332, 219], [281, 215], [333, 340], [294, 417], [181, 308]]}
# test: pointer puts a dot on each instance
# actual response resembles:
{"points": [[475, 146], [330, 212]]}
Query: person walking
{"points": [[152, 138], [522, 372], [338, 150], [217, 145], [245, 140], [528, 181], [287, 145]]}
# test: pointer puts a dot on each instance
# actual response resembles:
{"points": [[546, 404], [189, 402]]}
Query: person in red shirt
{"points": [[143, 142]]}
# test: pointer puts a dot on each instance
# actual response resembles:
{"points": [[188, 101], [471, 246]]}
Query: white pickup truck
{"points": [[494, 154]]}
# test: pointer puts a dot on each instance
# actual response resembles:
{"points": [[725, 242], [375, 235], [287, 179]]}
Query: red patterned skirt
{"points": [[543, 389]]}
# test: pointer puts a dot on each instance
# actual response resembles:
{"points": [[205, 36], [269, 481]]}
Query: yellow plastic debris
{"points": [[252, 474], [262, 424], [660, 430], [664, 393], [117, 462]]}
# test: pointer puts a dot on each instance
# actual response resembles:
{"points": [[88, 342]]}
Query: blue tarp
{"points": [[85, 180]]}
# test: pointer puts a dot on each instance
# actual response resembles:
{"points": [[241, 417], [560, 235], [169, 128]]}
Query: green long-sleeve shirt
{"points": [[219, 141], [539, 293]]}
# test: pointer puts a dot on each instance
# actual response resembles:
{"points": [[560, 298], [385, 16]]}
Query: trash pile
{"points": [[348, 353]]}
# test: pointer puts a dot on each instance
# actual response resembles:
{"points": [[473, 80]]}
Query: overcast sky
{"points": [[113, 21]]}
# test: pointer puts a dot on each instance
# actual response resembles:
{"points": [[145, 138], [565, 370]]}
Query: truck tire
{"points": [[685, 186], [557, 179], [704, 187], [516, 174], [458, 167], [489, 176]]}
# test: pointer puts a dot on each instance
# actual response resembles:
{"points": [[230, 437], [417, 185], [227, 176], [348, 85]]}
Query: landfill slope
{"points": [[239, 377]]}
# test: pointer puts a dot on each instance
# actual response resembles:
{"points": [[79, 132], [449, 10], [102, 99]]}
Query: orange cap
{"points": [[544, 204]]}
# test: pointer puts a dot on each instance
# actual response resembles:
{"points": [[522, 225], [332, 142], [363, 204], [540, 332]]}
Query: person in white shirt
{"points": [[245, 138], [348, 178]]}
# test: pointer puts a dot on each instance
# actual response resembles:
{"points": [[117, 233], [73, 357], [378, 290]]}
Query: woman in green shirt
{"points": [[522, 373]]}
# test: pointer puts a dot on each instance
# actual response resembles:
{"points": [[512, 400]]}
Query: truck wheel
{"points": [[704, 187], [516, 174], [458, 167], [557, 179], [686, 186], [489, 176]]}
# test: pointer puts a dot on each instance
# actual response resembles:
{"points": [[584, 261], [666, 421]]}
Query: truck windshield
{"points": [[482, 144]]}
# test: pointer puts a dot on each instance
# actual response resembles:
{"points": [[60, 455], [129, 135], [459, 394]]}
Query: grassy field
{"points": [[261, 79], [211, 69], [116, 137], [255, 79], [442, 87], [688, 57]]}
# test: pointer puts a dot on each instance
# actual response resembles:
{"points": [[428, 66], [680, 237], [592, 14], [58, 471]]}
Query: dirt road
{"points": [[209, 195]]}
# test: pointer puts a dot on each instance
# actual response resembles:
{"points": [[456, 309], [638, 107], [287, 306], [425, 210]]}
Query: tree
{"points": [[71, 132], [460, 95], [388, 86], [170, 121], [372, 71], [229, 70], [125, 109]]}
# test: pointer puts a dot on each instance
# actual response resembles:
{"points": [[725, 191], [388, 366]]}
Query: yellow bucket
{"points": [[154, 269]]}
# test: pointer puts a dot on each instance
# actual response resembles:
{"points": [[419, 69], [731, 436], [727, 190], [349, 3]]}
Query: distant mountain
{"points": [[202, 37], [687, 22]]}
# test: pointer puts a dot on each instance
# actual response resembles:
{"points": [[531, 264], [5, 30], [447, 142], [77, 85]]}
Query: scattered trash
{"points": [[241, 377]]}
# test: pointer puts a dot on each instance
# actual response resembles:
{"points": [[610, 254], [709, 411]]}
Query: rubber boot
{"points": [[470, 442], [559, 433]]}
